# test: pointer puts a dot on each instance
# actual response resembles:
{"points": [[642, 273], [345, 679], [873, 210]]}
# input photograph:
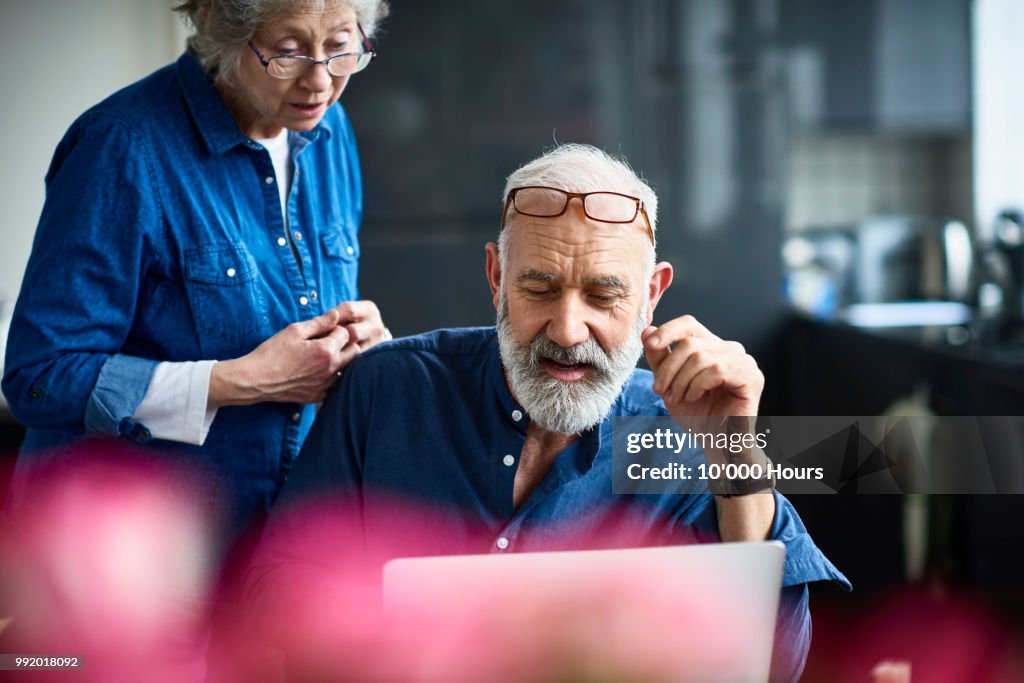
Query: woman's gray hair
{"points": [[576, 167], [221, 28]]}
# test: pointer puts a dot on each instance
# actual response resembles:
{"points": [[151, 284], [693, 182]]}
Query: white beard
{"points": [[567, 407]]}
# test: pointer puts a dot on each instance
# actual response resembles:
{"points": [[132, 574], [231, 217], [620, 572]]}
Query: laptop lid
{"points": [[677, 613]]}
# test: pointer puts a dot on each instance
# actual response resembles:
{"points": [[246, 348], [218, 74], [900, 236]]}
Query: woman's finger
{"points": [[357, 311]]}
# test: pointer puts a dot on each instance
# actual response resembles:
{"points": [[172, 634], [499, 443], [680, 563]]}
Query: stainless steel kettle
{"points": [[913, 258]]}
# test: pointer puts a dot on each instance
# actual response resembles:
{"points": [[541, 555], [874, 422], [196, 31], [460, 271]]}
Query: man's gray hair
{"points": [[221, 28], [576, 167]]}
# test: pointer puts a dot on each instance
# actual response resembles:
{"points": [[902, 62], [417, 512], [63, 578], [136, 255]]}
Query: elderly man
{"points": [[507, 430]]}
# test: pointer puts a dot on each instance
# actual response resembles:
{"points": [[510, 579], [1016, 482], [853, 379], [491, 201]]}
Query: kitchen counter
{"points": [[833, 368]]}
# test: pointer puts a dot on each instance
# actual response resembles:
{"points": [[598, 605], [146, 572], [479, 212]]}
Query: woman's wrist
{"points": [[230, 385]]}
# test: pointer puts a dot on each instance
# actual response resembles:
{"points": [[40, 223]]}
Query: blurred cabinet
{"points": [[881, 64], [838, 370]]}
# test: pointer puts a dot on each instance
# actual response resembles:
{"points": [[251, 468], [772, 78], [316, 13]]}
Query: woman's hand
{"points": [[299, 364], [362, 321]]}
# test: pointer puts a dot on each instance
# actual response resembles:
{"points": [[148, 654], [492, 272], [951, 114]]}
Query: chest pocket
{"points": [[341, 262], [228, 306]]}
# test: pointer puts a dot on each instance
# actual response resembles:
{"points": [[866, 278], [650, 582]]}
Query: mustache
{"points": [[588, 353]]}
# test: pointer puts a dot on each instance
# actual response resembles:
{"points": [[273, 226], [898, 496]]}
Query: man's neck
{"points": [[539, 451]]}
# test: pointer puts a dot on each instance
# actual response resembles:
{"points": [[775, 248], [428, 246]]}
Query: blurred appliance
{"points": [[1009, 243], [1001, 281], [913, 258], [819, 266]]}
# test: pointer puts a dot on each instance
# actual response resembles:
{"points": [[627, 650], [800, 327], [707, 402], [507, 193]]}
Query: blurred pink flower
{"points": [[322, 609], [110, 560]]}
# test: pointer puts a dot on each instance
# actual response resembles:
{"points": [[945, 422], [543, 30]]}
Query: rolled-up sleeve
{"points": [[119, 390], [805, 563], [66, 366]]}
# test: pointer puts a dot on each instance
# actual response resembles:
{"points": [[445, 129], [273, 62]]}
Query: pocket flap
{"points": [[220, 264], [337, 245]]}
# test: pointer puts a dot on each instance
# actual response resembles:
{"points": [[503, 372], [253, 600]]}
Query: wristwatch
{"points": [[728, 488]]}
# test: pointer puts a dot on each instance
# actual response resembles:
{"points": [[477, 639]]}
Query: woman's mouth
{"points": [[566, 372], [308, 110]]}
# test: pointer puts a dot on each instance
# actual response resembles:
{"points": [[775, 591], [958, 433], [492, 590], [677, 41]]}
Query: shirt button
{"points": [[509, 461], [297, 235], [281, 241], [517, 415], [350, 251], [296, 417], [36, 394], [269, 180], [231, 272], [313, 295], [502, 543], [303, 301]]}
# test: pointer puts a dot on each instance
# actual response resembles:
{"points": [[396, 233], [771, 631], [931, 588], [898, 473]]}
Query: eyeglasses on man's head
{"points": [[549, 202]]}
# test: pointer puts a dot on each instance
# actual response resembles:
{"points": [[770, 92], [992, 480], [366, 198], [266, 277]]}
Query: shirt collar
{"points": [[506, 403], [217, 127]]}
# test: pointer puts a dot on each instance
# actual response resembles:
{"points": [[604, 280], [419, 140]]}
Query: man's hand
{"points": [[704, 380], [700, 375]]}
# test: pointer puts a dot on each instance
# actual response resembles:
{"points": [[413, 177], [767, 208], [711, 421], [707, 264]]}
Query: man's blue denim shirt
{"points": [[162, 239], [430, 419]]}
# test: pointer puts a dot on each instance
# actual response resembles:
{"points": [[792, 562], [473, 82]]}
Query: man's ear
{"points": [[494, 272], [660, 281]]}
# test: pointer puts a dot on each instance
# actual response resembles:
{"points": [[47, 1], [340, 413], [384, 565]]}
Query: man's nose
{"points": [[568, 326]]}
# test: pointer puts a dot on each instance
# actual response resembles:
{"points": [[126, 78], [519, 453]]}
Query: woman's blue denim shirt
{"points": [[162, 239]]}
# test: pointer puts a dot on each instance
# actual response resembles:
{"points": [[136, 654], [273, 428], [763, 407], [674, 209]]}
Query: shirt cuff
{"points": [[174, 407], [119, 389], [804, 563]]}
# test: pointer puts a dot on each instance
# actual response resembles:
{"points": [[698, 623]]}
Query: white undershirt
{"points": [[174, 407], [280, 156]]}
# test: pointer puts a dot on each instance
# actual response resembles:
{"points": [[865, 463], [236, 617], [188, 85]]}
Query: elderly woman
{"points": [[192, 284]]}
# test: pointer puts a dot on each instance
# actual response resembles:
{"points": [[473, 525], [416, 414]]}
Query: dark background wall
{"points": [[465, 92]]}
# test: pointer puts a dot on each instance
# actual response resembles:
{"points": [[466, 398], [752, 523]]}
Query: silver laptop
{"points": [[700, 612]]}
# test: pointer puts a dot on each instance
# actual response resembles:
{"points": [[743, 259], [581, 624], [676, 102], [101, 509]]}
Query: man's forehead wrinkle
{"points": [[571, 228], [552, 249], [555, 269]]}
